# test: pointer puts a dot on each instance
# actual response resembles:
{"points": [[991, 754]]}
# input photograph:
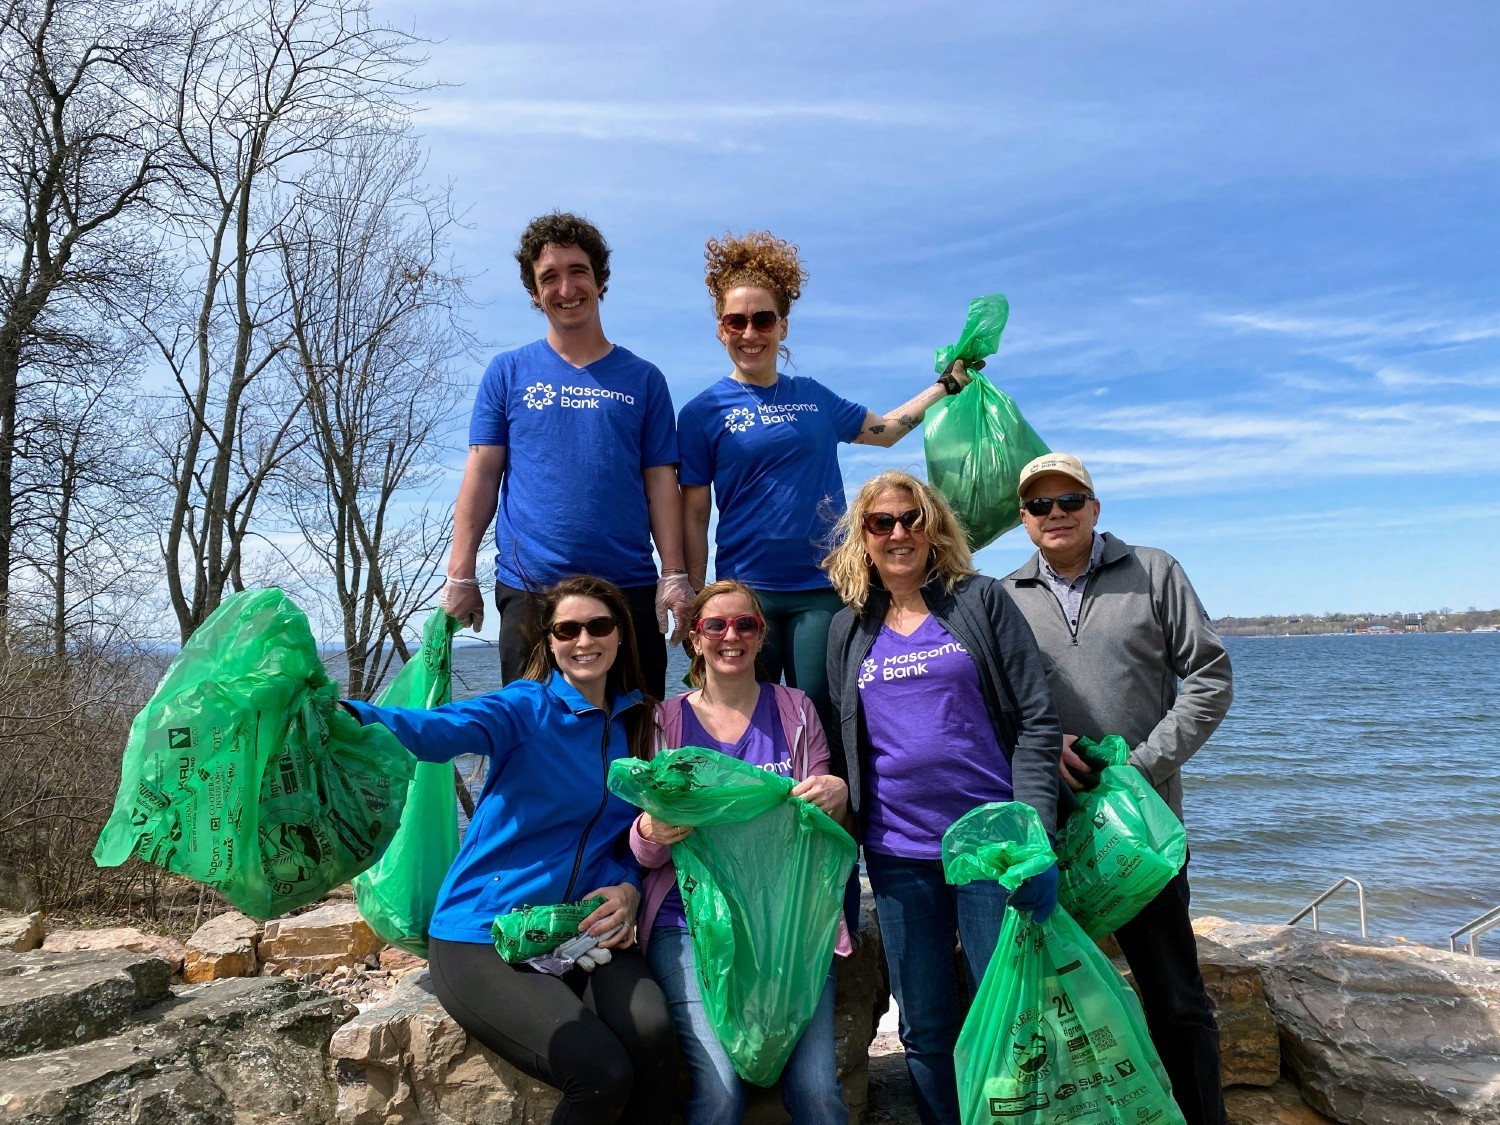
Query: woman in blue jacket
{"points": [[547, 830]]}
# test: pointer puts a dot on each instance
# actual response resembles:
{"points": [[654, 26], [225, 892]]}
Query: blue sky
{"points": [[1252, 250]]}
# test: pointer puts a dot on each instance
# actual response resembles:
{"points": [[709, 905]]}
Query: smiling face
{"points": [[584, 661], [1062, 536], [731, 655], [753, 351], [902, 557], [565, 287]]}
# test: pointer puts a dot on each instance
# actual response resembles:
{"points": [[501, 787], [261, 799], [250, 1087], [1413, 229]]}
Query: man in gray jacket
{"points": [[1129, 651]]}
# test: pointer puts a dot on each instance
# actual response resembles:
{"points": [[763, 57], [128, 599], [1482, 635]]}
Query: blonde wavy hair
{"points": [[758, 258], [848, 564]]}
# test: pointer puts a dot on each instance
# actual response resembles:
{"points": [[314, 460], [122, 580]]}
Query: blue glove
{"points": [[1038, 894]]}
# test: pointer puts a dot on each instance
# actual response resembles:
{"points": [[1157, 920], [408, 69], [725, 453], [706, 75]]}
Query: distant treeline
{"points": [[1434, 621]]}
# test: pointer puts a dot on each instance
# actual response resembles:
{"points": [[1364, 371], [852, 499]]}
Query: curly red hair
{"points": [[758, 258]]}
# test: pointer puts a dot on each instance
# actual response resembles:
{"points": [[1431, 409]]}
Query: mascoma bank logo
{"points": [[738, 420], [867, 672], [539, 395]]}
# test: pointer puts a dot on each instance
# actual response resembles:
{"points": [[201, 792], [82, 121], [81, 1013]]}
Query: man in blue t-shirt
{"points": [[574, 441]]}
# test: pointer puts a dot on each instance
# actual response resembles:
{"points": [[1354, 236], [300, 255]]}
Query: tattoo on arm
{"points": [[878, 428], [909, 421]]}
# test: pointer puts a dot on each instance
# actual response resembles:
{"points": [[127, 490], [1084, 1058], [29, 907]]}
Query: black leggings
{"points": [[605, 1039]]}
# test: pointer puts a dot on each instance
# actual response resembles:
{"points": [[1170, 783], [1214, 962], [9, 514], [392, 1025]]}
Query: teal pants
{"points": [[796, 649]]}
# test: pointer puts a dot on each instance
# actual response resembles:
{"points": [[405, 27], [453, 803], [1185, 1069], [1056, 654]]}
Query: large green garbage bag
{"points": [[762, 877], [977, 442], [1055, 1036], [243, 773], [1120, 847], [398, 894]]}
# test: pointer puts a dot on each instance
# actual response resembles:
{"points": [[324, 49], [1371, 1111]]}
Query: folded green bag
{"points": [[534, 931]]}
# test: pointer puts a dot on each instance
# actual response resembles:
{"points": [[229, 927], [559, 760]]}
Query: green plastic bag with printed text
{"points": [[1120, 847], [762, 877], [1055, 1036], [398, 894], [977, 442], [243, 773]]}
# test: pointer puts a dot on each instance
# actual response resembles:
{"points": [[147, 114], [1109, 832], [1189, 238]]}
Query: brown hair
{"points": [[562, 228], [696, 666], [848, 565], [624, 674], [759, 259]]}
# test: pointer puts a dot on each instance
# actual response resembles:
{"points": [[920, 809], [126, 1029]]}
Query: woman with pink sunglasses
{"points": [[776, 728]]}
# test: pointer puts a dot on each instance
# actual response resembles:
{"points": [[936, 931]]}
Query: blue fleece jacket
{"points": [[546, 828]]}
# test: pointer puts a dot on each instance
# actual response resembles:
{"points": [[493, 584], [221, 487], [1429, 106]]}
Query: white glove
{"points": [[593, 959], [461, 598], [674, 593]]}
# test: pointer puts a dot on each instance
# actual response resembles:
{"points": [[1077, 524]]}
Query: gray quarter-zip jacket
{"points": [[1144, 663]]}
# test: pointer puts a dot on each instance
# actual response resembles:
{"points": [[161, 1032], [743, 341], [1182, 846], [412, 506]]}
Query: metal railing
{"points": [[1312, 907], [1489, 920]]}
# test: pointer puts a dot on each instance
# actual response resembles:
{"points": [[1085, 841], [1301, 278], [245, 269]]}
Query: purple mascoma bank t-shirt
{"points": [[933, 752], [763, 744]]}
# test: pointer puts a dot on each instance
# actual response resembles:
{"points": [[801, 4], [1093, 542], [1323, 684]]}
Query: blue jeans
{"points": [[809, 1083], [920, 915]]}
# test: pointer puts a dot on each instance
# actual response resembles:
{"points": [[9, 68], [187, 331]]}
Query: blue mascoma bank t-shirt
{"points": [[771, 454], [573, 500]]}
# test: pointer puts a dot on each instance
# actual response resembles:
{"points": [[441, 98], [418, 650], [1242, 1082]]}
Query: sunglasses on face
{"points": [[763, 321], [1040, 506], [883, 523], [746, 625], [596, 626]]}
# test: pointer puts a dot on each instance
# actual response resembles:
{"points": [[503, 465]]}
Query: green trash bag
{"points": [[762, 878], [398, 894], [1055, 1036], [1120, 847], [535, 931], [977, 442], [244, 774]]}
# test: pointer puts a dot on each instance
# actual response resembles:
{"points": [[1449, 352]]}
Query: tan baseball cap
{"points": [[1064, 463]]}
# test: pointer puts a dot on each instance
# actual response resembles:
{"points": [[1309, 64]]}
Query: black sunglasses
{"points": [[596, 626], [883, 523], [1040, 506], [764, 321]]}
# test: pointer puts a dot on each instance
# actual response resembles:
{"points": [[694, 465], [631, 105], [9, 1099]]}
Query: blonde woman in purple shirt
{"points": [[942, 705], [777, 729]]}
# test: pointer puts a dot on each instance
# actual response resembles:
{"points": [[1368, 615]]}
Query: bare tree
{"points": [[81, 148], [373, 309], [267, 87]]}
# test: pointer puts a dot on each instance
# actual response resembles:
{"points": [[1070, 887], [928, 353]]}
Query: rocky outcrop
{"points": [[1278, 1104], [1380, 1033], [1249, 1048], [406, 1060], [249, 1052], [222, 947], [168, 949], [319, 941], [20, 933]]}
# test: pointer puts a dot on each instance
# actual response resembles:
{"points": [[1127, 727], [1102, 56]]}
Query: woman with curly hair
{"points": [[767, 444]]}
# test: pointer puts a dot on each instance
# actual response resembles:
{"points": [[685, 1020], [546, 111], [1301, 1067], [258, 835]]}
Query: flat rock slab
{"points": [[50, 1000], [1380, 1033], [168, 949], [20, 933], [1279, 1104], [247, 1052], [319, 941]]}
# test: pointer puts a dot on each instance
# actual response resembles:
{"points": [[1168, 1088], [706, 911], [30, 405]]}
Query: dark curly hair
{"points": [[759, 259], [562, 228]]}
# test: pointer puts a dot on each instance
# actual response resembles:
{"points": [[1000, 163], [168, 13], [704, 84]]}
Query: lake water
{"points": [[1373, 757]]}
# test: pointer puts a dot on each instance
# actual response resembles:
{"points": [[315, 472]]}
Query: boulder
{"points": [[249, 1051], [20, 933], [50, 1000], [1380, 1033], [222, 947], [406, 1060], [1277, 1104], [394, 960], [319, 941], [168, 949], [1249, 1047]]}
